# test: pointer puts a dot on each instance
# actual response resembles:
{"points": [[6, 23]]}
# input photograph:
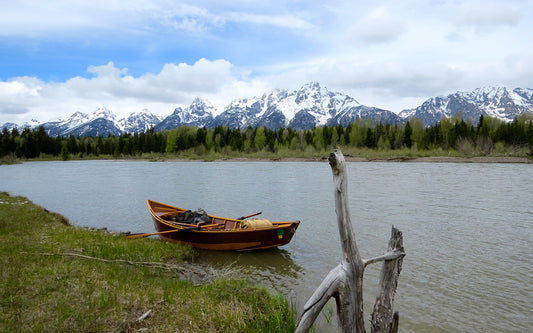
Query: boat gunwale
{"points": [[275, 225]]}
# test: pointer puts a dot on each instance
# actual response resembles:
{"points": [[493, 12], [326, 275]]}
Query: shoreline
{"points": [[453, 159], [429, 159], [94, 280], [348, 158]]}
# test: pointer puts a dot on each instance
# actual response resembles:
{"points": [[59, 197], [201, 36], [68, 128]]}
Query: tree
{"points": [[383, 143], [5, 143], [64, 153], [419, 130], [407, 141], [260, 139], [318, 138], [370, 138], [28, 144]]}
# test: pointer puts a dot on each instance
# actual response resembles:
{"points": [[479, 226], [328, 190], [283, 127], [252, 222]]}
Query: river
{"points": [[468, 228]]}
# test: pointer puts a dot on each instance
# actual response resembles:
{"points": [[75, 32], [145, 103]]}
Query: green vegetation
{"points": [[59, 278], [363, 138]]}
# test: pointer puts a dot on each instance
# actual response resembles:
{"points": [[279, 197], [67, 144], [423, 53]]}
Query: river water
{"points": [[468, 228]]}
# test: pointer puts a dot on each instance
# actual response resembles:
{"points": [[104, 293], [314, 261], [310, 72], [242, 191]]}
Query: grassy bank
{"points": [[59, 278]]}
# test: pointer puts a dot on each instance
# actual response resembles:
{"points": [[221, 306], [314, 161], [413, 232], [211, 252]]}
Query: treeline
{"points": [[448, 134]]}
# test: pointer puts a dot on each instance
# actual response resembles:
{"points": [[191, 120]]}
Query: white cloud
{"points": [[487, 14], [187, 18], [378, 27], [397, 54], [33, 18], [382, 82], [283, 21], [108, 70], [175, 85]]}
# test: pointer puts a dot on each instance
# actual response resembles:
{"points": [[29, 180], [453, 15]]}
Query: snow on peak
{"points": [[138, 121], [199, 104], [104, 113]]}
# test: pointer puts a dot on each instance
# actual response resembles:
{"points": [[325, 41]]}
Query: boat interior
{"points": [[217, 223]]}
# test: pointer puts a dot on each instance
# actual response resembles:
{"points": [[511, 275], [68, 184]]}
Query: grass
{"points": [[283, 153], [59, 278]]}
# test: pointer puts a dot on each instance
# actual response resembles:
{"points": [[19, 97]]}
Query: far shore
{"points": [[452, 159], [324, 158], [430, 159]]}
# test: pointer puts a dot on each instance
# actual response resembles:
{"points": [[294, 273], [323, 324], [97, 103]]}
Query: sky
{"points": [[61, 57]]}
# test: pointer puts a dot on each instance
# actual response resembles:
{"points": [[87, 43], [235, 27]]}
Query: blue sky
{"points": [[59, 57]]}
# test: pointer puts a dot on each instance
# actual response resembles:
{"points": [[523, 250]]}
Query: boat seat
{"points": [[220, 222], [230, 225]]}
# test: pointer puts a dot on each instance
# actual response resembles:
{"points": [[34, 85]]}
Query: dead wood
{"points": [[171, 267], [345, 282]]}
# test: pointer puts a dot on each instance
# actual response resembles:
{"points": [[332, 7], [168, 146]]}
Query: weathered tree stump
{"points": [[345, 282]]}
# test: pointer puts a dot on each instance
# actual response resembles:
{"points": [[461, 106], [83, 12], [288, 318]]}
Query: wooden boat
{"points": [[222, 233]]}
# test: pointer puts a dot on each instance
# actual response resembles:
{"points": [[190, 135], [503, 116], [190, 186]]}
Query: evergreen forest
{"points": [[451, 136]]}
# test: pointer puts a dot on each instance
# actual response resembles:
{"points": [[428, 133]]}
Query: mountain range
{"points": [[497, 102], [311, 105]]}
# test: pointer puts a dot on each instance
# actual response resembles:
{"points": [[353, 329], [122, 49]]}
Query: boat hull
{"points": [[223, 234]]}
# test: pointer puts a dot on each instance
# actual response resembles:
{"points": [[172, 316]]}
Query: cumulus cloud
{"points": [[175, 85], [378, 27], [108, 70], [419, 49], [13, 109], [487, 14], [386, 83]]}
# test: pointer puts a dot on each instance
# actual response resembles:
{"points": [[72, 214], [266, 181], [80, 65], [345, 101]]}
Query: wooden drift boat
{"points": [[221, 233]]}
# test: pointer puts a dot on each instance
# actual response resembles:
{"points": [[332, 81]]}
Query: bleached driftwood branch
{"points": [[383, 319], [345, 282]]}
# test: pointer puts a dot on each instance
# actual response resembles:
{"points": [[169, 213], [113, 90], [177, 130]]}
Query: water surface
{"points": [[468, 228]]}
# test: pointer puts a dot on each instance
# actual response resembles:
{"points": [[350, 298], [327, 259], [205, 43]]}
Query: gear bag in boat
{"points": [[192, 217], [256, 224]]}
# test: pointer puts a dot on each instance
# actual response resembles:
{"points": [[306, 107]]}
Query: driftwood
{"points": [[170, 267], [345, 282]]}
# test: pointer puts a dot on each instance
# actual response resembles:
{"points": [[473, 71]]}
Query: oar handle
{"points": [[141, 235], [245, 217]]}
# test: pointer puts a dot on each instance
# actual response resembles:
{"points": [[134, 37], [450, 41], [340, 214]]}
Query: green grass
{"points": [[283, 153], [59, 278]]}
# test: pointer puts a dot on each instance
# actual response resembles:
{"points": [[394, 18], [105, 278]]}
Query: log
{"points": [[345, 282], [382, 316]]}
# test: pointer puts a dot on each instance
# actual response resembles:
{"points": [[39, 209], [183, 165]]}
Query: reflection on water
{"points": [[273, 267], [467, 227]]}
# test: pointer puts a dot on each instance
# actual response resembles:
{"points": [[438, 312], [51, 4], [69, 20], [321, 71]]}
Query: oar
{"points": [[141, 235], [245, 217]]}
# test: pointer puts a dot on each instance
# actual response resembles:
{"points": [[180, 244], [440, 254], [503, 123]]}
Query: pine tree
{"points": [[407, 141]]}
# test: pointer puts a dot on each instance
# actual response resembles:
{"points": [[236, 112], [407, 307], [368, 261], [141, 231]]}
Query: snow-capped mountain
{"points": [[101, 122], [138, 122], [307, 107], [349, 115], [498, 102], [10, 126], [64, 127], [199, 113], [310, 106]]}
